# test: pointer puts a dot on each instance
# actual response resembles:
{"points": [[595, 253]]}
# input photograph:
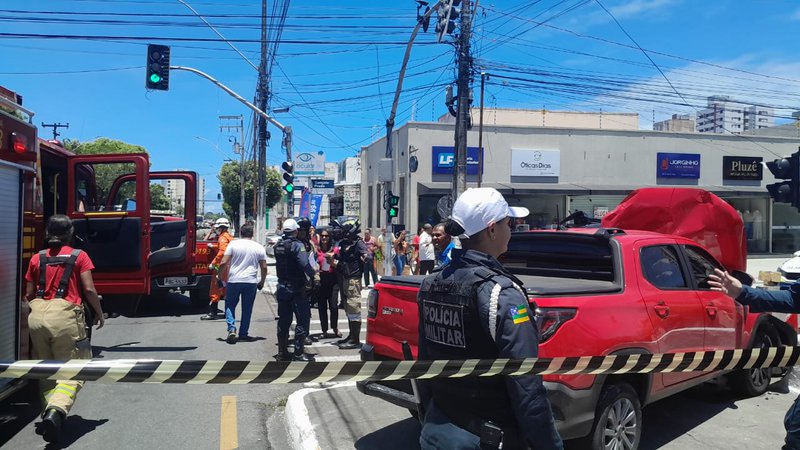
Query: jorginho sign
{"points": [[678, 165]]}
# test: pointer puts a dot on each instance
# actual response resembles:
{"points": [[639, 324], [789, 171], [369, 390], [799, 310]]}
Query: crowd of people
{"points": [[324, 268]]}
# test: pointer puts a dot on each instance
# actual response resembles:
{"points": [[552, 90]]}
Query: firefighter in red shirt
{"points": [[55, 279], [217, 291]]}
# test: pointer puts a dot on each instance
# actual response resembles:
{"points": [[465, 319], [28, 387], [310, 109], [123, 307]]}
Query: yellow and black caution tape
{"points": [[246, 372]]}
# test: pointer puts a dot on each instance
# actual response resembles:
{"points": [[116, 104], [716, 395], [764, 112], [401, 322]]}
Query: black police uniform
{"points": [[473, 308], [292, 267]]}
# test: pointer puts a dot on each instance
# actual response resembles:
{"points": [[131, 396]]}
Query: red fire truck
{"points": [[134, 250]]}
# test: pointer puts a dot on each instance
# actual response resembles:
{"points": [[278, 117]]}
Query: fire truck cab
{"points": [[108, 198]]}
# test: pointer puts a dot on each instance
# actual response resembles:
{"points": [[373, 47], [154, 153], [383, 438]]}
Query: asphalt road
{"points": [[171, 416]]}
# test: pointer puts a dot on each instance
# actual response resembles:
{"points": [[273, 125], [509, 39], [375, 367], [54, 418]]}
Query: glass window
{"points": [[105, 187], [702, 265], [662, 267]]}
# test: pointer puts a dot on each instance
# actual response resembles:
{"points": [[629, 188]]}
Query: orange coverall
{"points": [[217, 292]]}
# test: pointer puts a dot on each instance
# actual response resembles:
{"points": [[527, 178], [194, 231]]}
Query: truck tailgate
{"points": [[392, 316]]}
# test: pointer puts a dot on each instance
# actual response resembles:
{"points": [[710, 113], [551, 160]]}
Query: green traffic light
{"points": [[289, 188], [154, 78], [393, 212]]}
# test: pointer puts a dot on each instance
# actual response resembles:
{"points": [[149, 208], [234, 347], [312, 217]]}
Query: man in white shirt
{"points": [[244, 259], [427, 255]]}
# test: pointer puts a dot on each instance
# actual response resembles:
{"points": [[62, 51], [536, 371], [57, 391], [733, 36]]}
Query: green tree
{"points": [[230, 176], [158, 199], [106, 174]]}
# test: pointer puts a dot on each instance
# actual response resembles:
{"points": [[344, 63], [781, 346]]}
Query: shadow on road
{"points": [[18, 410], [75, 427], [399, 435], [132, 347], [159, 305]]}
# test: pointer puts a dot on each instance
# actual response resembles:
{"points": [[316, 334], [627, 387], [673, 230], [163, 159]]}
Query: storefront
{"points": [[557, 171]]}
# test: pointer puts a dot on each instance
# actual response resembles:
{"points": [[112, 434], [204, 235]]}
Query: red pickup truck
{"points": [[605, 291]]}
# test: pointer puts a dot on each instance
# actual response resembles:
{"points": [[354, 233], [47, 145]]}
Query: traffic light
{"points": [[448, 13], [788, 169], [157, 67], [390, 203], [288, 176]]}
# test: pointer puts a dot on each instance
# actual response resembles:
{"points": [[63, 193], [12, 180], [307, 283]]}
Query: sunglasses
{"points": [[324, 236]]}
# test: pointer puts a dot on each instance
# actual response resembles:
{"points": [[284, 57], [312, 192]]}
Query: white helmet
{"points": [[222, 222]]}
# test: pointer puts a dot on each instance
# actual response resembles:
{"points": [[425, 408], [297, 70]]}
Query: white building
{"points": [[201, 195], [556, 171], [726, 116]]}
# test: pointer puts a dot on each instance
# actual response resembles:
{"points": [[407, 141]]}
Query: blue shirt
{"points": [[444, 257]]}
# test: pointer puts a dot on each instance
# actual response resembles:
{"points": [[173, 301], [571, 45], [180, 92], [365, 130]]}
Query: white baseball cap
{"points": [[477, 208], [222, 222], [290, 225]]}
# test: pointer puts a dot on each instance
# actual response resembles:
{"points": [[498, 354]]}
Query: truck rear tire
{"points": [[199, 298], [617, 420], [755, 382]]}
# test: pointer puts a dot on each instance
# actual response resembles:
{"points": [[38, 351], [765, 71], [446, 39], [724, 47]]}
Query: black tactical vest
{"points": [[350, 264], [450, 328], [286, 266]]}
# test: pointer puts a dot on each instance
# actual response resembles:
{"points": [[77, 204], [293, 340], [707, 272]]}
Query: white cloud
{"points": [[638, 7], [696, 82]]}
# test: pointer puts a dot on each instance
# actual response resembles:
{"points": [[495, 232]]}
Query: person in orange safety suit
{"points": [[217, 290]]}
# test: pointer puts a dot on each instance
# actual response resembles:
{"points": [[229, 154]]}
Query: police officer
{"points": [[760, 300], [55, 280], [350, 266], [474, 308], [293, 269]]}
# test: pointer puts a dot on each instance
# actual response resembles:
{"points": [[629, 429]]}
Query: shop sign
{"points": [[679, 165], [742, 168], [444, 160], [309, 164], [535, 163]]}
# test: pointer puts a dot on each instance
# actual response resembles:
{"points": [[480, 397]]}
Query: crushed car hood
{"points": [[692, 213]]}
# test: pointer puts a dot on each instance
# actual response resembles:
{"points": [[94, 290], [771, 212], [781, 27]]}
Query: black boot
{"points": [[355, 339], [283, 349], [349, 334], [213, 312], [51, 425]]}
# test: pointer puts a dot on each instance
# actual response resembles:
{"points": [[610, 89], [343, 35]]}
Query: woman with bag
{"points": [[56, 277], [326, 297]]}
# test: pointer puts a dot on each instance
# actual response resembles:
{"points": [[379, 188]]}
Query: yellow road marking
{"points": [[228, 435]]}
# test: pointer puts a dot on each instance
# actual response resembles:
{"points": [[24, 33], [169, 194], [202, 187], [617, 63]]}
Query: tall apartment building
{"points": [[726, 116], [174, 190]]}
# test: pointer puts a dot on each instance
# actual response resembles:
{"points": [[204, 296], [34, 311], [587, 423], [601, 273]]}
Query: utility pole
{"points": [[55, 127], [463, 117], [484, 76], [238, 148], [262, 99]]}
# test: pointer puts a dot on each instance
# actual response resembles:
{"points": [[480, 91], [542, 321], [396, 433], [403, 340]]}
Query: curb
{"points": [[298, 423]]}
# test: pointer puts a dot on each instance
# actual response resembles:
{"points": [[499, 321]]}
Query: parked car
{"points": [[272, 239], [790, 269]]}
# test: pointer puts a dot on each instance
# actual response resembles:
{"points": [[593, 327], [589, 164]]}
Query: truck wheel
{"points": [[199, 299], [754, 382], [617, 420]]}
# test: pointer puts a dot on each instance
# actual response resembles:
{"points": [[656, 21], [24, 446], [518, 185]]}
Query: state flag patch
{"points": [[519, 314]]}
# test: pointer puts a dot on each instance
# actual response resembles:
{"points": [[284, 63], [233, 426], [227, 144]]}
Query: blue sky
{"points": [[82, 62]]}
